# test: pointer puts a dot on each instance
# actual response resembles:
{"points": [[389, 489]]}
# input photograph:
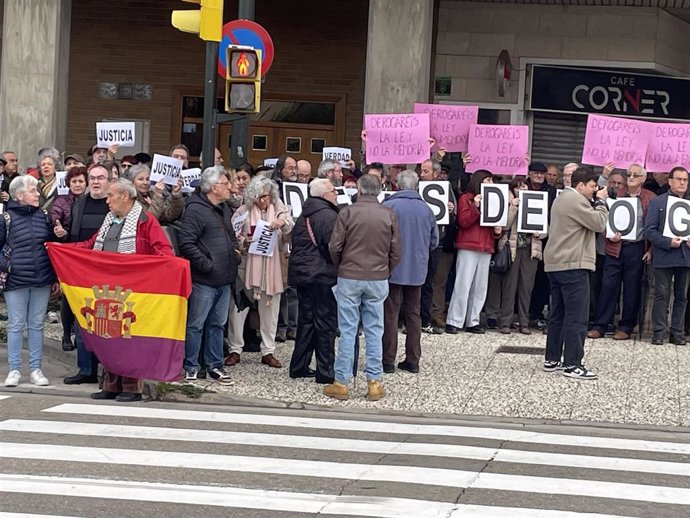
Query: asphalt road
{"points": [[70, 456]]}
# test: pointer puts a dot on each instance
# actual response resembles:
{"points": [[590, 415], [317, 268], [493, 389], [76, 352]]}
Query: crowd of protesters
{"points": [[370, 267]]}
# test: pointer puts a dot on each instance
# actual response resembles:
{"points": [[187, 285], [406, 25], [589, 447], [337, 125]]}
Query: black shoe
{"points": [[281, 336], [323, 381], [67, 344], [388, 369], [409, 367], [128, 397], [477, 330], [310, 373], [452, 330], [491, 323], [291, 335], [104, 394], [657, 340], [78, 379], [677, 340]]}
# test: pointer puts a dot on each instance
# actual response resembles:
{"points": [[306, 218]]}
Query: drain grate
{"points": [[515, 349]]}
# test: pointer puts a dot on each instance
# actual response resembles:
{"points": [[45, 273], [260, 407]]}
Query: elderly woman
{"points": [[24, 228], [127, 229], [61, 211], [166, 210], [475, 245], [525, 253], [262, 274], [48, 162]]}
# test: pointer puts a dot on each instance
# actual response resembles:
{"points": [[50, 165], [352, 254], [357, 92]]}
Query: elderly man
{"points": [[568, 258], [419, 236], [552, 174], [10, 173], [126, 229], [208, 241], [87, 216], [312, 272], [303, 171], [568, 170], [624, 263], [671, 261], [365, 248], [331, 170]]}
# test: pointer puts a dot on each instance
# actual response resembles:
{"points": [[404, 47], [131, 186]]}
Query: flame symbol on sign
{"points": [[242, 64]]}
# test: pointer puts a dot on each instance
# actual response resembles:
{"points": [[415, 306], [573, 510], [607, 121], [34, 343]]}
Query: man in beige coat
{"points": [[569, 256]]}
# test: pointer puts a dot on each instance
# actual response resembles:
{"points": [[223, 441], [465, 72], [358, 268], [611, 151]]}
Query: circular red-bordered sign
{"points": [[248, 33]]}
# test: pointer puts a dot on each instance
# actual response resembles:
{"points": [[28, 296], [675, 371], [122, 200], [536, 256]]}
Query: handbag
{"points": [[501, 260], [5, 251]]}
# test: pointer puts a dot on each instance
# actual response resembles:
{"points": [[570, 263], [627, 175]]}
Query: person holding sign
{"points": [[475, 245], [525, 252], [624, 262], [165, 208], [670, 258], [263, 274], [569, 256]]}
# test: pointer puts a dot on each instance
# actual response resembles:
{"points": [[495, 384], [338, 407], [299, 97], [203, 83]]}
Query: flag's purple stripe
{"points": [[138, 357]]}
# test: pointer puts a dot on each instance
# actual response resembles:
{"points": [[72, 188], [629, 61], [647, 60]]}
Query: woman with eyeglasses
{"points": [[262, 275]]}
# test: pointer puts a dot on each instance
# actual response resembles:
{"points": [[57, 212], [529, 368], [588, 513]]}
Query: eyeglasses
{"points": [[98, 178], [331, 191], [222, 183], [264, 196]]}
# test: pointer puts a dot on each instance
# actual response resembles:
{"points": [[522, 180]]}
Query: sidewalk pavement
{"points": [[465, 374]]}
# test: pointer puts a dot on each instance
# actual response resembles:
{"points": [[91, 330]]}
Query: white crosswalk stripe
{"points": [[4, 397], [372, 459]]}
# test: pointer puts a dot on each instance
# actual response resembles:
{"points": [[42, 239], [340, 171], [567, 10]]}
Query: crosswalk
{"points": [[286, 462]]}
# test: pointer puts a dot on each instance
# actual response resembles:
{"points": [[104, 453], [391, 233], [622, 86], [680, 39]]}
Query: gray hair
{"points": [[257, 186], [642, 169], [325, 167], [49, 152], [136, 170], [125, 186], [435, 166], [21, 184], [210, 177], [368, 185], [408, 180], [319, 186]]}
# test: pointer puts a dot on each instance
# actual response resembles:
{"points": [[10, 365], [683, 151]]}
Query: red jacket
{"points": [[151, 239], [471, 236], [614, 249]]}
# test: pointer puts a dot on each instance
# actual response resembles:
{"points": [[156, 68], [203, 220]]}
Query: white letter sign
{"points": [[166, 168], [264, 240], [294, 195], [622, 218], [494, 206], [533, 212], [111, 133], [677, 218], [339, 154], [437, 195]]}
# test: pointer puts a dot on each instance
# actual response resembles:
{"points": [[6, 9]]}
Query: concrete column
{"points": [[33, 77], [398, 55]]}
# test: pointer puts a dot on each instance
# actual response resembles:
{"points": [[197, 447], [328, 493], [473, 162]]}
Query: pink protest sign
{"points": [[669, 147], [617, 140], [397, 138], [450, 125], [500, 149]]}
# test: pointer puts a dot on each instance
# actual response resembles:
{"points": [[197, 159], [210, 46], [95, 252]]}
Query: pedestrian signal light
{"points": [[243, 80], [207, 22]]}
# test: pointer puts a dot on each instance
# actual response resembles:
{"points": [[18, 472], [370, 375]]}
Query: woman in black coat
{"points": [[311, 271]]}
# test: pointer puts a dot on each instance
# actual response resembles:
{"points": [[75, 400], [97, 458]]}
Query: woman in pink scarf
{"points": [[262, 275]]}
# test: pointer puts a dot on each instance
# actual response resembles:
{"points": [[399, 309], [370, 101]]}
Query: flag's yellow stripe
{"points": [[157, 315]]}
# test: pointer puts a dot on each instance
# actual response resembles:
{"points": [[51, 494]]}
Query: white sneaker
{"points": [[53, 317], [37, 378], [12, 379]]}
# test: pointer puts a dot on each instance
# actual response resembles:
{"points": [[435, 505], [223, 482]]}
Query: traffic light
{"points": [[207, 22], [243, 80]]}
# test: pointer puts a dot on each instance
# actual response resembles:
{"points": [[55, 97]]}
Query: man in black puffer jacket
{"points": [[312, 272], [208, 241]]}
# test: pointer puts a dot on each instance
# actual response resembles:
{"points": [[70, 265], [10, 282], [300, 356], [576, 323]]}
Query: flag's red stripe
{"points": [[140, 273]]}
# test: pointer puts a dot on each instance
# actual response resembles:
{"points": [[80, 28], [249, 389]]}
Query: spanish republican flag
{"points": [[132, 309]]}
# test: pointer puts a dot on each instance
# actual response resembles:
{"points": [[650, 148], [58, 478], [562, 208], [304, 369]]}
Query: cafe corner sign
{"points": [[581, 90]]}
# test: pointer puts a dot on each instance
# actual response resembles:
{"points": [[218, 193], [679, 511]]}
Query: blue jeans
{"points": [[360, 299], [26, 307], [208, 306]]}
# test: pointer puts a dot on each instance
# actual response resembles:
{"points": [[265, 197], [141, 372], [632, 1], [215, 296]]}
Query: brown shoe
{"points": [[337, 390], [621, 335], [593, 333], [271, 361], [232, 359], [525, 330], [375, 391], [506, 331]]}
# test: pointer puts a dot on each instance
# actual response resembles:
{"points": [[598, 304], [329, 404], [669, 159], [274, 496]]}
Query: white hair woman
{"points": [[48, 162], [263, 275]]}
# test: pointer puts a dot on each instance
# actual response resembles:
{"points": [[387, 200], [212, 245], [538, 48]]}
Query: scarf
{"points": [[263, 275], [47, 190], [127, 244]]}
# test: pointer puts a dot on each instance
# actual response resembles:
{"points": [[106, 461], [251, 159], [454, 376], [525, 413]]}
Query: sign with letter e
{"points": [[494, 206], [622, 218], [677, 218], [533, 212]]}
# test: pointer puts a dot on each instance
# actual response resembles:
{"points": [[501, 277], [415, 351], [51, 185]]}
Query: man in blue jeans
{"points": [[208, 241], [364, 247]]}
